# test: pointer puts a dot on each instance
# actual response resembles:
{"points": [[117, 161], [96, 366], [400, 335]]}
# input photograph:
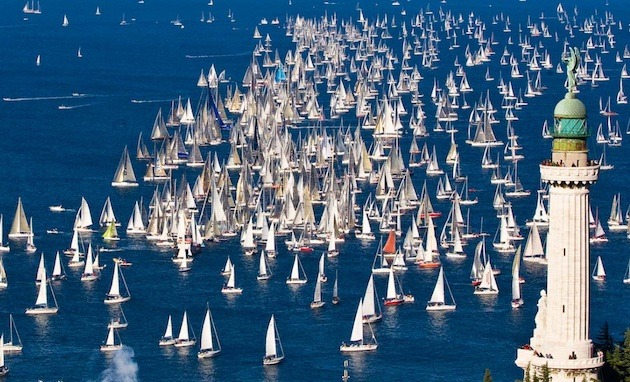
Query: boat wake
{"points": [[218, 55], [66, 107], [22, 99], [150, 100]]}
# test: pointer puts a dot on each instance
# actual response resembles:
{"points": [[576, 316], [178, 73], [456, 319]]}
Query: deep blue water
{"points": [[51, 156]]}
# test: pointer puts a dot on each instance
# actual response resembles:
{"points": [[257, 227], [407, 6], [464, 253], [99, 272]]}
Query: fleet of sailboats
{"points": [[279, 206]]}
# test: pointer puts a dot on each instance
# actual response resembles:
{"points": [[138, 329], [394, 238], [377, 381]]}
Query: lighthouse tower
{"points": [[561, 338]]}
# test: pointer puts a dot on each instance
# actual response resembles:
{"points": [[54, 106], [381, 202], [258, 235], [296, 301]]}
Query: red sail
{"points": [[390, 246]]}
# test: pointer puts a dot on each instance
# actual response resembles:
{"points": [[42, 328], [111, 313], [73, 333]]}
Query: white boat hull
{"points": [[296, 282], [350, 348], [272, 360], [440, 307], [116, 300], [208, 353], [110, 348], [227, 290], [38, 311]]}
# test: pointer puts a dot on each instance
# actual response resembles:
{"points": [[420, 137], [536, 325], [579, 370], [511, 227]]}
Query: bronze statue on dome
{"points": [[572, 60]]}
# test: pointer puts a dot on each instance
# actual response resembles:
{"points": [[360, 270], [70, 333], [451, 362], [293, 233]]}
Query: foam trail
{"points": [[123, 368], [150, 100], [219, 55], [70, 107], [75, 95]]}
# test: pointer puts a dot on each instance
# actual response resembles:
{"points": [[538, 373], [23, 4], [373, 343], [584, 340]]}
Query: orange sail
{"points": [[390, 245]]}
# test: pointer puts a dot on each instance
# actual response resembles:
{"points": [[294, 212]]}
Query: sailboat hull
{"points": [[124, 184], [295, 281], [110, 348], [116, 300], [12, 349], [431, 307], [208, 353], [38, 311], [352, 348], [184, 343], [317, 304], [231, 290], [272, 360]]}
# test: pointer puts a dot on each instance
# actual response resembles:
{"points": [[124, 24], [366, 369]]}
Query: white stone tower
{"points": [[561, 338]]}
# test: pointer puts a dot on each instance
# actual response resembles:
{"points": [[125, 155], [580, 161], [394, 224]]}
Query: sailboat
{"points": [[357, 341], [599, 235], [298, 276], [321, 274], [438, 298], [41, 271], [168, 339], [210, 345], [599, 274], [38, 60], [3, 246], [124, 176], [380, 265], [517, 300], [264, 273], [393, 296], [114, 296], [110, 344], [30, 244], [118, 322], [89, 272], [15, 342], [4, 369], [317, 296], [371, 305], [230, 287], [335, 296], [58, 272], [3, 276], [274, 354], [98, 11], [41, 304], [111, 233], [76, 261], [184, 339], [20, 228], [227, 269], [65, 22], [488, 282], [626, 276]]}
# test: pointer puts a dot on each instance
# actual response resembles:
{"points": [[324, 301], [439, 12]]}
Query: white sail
{"points": [[206, 333], [57, 269], [168, 333], [232, 280], [317, 296], [42, 296], [110, 337], [20, 227], [3, 275], [270, 339], [183, 331], [438, 292], [114, 290], [262, 267], [41, 270], [391, 285], [357, 326]]}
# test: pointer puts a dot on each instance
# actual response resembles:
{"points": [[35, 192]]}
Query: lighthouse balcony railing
{"points": [[530, 357]]}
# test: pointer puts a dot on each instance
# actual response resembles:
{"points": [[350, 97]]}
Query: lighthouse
{"points": [[561, 340]]}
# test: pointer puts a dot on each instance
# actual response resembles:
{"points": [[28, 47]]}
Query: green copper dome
{"points": [[570, 107]]}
